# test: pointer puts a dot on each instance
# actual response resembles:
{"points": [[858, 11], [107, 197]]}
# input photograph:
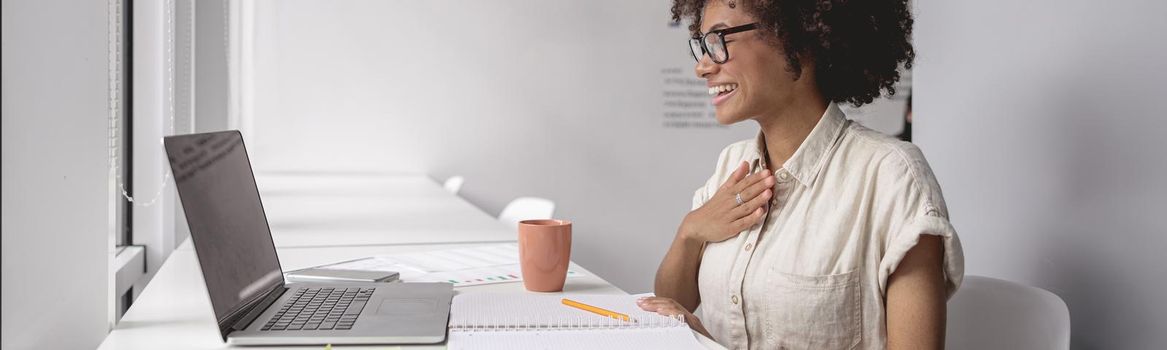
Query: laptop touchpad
{"points": [[406, 307]]}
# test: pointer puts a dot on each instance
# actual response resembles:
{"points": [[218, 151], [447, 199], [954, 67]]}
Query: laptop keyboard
{"points": [[320, 309]]}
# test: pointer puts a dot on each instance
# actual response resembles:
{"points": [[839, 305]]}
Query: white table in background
{"points": [[322, 210]]}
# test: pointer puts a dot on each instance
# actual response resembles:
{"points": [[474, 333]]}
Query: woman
{"points": [[819, 233]]}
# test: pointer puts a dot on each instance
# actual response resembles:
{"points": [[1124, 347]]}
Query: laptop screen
{"points": [[227, 223]]}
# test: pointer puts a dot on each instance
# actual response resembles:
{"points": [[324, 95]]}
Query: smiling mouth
{"points": [[722, 92], [722, 89]]}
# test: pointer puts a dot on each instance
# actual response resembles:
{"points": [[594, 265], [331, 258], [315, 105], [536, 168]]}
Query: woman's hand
{"points": [[723, 216], [669, 307]]}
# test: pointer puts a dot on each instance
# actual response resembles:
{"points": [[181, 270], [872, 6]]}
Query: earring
{"points": [[732, 4]]}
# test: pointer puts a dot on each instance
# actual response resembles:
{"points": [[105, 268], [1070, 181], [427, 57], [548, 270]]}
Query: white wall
{"points": [[1044, 123], [560, 99], [56, 189]]}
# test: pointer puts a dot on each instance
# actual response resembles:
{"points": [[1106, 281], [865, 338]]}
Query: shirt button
{"points": [[749, 246], [733, 299], [784, 176]]}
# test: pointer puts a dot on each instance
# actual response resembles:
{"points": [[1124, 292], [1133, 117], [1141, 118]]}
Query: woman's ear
{"points": [[806, 67]]}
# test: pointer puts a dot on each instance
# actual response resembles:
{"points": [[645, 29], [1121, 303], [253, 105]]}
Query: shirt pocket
{"points": [[812, 312]]}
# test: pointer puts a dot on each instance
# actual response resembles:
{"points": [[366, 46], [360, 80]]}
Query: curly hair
{"points": [[856, 45]]}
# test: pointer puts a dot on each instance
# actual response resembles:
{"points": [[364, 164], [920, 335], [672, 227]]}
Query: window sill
{"points": [[130, 266]]}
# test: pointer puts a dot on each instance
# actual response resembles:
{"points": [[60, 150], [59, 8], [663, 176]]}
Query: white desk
{"points": [[174, 311], [350, 210]]}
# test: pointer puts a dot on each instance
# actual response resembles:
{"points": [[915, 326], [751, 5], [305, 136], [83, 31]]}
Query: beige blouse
{"points": [[848, 206]]}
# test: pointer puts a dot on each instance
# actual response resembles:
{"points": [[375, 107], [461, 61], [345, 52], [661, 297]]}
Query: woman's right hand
{"points": [[721, 217]]}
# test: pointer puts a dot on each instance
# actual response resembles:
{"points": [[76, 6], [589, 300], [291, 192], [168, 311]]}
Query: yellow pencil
{"points": [[597, 310]]}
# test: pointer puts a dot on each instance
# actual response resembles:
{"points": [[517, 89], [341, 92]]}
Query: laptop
{"points": [[252, 303]]}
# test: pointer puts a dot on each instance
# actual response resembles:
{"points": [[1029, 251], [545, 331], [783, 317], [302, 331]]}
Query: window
{"points": [[151, 92], [127, 263]]}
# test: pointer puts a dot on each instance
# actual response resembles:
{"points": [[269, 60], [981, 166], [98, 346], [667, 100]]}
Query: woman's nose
{"points": [[705, 66]]}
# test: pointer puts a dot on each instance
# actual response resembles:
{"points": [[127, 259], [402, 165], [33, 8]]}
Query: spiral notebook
{"points": [[528, 321]]}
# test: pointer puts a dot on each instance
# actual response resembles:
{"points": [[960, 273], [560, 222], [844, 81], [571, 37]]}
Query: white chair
{"points": [[989, 313], [454, 184], [526, 208]]}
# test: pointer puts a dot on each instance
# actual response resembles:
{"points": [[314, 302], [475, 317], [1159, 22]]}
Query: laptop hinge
{"points": [[259, 307]]}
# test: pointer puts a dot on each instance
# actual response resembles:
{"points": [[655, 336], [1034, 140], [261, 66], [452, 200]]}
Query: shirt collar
{"points": [[810, 157]]}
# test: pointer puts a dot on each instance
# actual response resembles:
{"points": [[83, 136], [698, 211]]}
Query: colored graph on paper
{"points": [[486, 264], [483, 275]]}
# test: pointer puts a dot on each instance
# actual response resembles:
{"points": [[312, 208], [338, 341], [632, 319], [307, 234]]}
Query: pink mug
{"points": [[544, 253]]}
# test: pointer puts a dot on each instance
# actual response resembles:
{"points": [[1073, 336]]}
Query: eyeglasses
{"points": [[713, 43]]}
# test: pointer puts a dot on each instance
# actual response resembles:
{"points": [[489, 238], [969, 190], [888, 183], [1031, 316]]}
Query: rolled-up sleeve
{"points": [[910, 236], [917, 207]]}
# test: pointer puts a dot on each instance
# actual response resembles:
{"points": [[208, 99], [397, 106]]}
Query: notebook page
{"points": [[645, 338], [520, 310]]}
